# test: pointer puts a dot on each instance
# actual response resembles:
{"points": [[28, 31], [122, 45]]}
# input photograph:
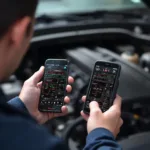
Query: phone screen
{"points": [[102, 85], [54, 85]]}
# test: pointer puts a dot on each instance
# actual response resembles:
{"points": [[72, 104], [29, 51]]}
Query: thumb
{"points": [[85, 117], [94, 108], [37, 76]]}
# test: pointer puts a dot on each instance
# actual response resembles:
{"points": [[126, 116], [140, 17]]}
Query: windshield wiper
{"points": [[106, 13], [76, 17], [50, 19], [103, 16]]}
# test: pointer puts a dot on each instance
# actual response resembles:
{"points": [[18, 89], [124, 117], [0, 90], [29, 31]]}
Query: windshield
{"points": [[75, 6]]}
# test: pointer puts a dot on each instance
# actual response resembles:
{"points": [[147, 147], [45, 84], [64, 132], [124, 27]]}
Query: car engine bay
{"points": [[82, 42]]}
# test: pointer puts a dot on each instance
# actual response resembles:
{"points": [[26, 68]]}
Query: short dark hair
{"points": [[13, 10]]}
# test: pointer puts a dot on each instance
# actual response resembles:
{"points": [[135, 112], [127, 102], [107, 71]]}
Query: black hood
{"points": [[147, 2]]}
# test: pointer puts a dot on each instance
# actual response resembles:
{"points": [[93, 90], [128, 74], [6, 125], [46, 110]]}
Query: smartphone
{"points": [[54, 85], [103, 85]]}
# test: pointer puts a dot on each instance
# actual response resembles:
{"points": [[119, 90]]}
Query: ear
{"points": [[19, 30]]}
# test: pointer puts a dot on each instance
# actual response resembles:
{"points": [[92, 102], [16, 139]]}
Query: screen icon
{"points": [[65, 68]]}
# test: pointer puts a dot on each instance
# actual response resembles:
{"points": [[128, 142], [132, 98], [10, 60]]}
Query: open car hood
{"points": [[147, 2]]}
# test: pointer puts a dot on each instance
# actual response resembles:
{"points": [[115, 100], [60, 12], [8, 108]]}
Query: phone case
{"points": [[55, 111], [116, 85]]}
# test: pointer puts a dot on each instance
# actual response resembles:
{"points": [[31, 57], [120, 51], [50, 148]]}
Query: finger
{"points": [[64, 110], [39, 85], [67, 100], [85, 117], [69, 88], [44, 117], [84, 99], [70, 80], [94, 107], [37, 76], [118, 101], [121, 122]]}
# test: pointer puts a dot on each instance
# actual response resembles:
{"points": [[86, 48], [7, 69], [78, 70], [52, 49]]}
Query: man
{"points": [[20, 120]]}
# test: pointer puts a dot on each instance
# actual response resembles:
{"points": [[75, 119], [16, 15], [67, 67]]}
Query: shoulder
{"points": [[24, 134]]}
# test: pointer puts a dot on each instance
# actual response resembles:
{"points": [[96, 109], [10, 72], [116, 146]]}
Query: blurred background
{"points": [[84, 31], [71, 6]]}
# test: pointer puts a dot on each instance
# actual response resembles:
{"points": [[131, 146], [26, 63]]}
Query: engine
{"points": [[82, 54]]}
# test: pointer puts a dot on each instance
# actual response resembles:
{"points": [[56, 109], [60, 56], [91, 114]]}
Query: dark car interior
{"points": [[119, 33]]}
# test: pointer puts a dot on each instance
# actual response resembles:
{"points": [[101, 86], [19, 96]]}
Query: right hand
{"points": [[110, 120]]}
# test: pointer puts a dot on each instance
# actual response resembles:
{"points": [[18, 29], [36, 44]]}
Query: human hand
{"points": [[109, 120], [30, 95]]}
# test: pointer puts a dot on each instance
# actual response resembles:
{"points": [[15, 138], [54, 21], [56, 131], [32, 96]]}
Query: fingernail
{"points": [[41, 67]]}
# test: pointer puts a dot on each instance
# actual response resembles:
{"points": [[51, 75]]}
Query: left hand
{"points": [[30, 95]]}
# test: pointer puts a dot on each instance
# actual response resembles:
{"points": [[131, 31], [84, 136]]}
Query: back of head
{"points": [[16, 28], [13, 10]]}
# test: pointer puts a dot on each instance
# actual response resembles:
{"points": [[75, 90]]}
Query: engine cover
{"points": [[134, 82]]}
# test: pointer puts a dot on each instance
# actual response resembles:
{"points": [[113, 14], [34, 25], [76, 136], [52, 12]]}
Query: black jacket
{"points": [[19, 131]]}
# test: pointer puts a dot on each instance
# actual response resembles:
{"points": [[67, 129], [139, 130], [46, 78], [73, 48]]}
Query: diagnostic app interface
{"points": [[101, 87], [54, 86]]}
